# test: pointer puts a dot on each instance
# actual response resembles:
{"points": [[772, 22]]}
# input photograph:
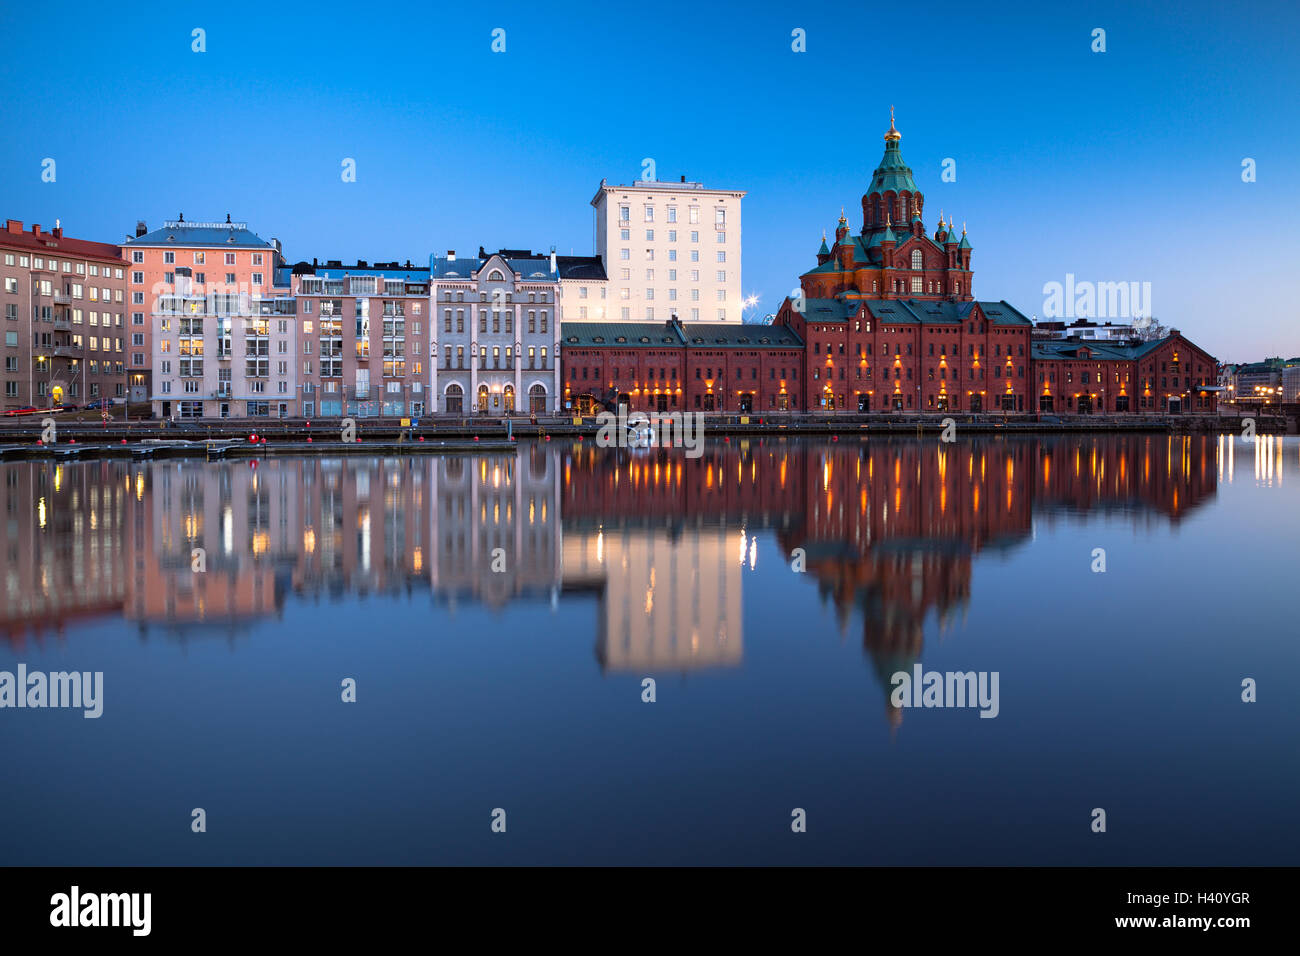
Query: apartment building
{"points": [[584, 289], [362, 339], [669, 249], [495, 335], [64, 309], [227, 270]]}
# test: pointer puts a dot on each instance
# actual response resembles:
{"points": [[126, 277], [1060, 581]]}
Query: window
{"points": [[230, 260], [918, 262]]}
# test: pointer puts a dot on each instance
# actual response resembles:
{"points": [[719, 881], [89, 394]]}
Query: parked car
{"points": [[100, 403]]}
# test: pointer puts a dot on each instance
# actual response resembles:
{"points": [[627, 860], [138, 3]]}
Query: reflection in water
{"points": [[885, 530]]}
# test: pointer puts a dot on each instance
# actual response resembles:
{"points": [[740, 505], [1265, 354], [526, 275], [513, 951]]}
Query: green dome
{"points": [[892, 175]]}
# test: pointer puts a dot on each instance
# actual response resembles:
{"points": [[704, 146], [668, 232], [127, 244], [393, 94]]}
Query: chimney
{"points": [[36, 229], [313, 262], [451, 255], [554, 264], [683, 179], [58, 230], [14, 227], [140, 228]]}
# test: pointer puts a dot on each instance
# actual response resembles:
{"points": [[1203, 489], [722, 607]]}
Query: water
{"points": [[521, 688]]}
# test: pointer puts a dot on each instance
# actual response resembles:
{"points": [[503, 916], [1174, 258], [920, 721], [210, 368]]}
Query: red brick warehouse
{"points": [[702, 366]]}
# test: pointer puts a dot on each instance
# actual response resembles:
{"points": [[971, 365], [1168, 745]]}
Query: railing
{"points": [[67, 351], [358, 393], [62, 298]]}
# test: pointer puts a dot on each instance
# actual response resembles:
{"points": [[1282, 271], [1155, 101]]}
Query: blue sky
{"points": [[1116, 166]]}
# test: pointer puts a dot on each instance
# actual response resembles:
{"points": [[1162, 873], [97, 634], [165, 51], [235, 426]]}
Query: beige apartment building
{"points": [[669, 249], [63, 303]]}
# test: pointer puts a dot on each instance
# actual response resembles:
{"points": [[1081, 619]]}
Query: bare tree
{"points": [[1148, 329]]}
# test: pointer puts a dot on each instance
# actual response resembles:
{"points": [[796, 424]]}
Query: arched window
{"points": [[482, 398], [496, 276], [509, 398], [455, 398], [918, 261]]}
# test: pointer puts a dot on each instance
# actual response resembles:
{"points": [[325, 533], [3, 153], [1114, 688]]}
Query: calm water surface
{"points": [[521, 688]]}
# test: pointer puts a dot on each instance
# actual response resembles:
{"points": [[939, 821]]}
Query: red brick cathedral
{"points": [[889, 318], [890, 323]]}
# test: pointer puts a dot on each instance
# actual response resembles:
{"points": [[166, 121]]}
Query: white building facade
{"points": [[494, 334], [669, 249]]}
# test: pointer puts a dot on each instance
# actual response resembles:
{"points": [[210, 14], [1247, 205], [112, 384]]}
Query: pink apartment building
{"points": [[362, 330], [209, 334], [63, 305]]}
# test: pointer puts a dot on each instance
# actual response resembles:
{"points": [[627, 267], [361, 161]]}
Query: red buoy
{"points": [[308, 439], [421, 438]]}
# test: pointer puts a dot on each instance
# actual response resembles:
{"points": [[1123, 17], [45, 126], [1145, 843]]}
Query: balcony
{"points": [[62, 298], [360, 394], [63, 325], [67, 351]]}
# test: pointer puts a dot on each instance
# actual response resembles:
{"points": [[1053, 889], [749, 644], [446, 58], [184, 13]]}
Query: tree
{"points": [[1147, 329]]}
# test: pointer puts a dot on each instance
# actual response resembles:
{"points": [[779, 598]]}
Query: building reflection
{"points": [[659, 544], [63, 544]]}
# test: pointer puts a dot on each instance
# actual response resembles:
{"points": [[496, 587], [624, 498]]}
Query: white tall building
{"points": [[670, 249]]}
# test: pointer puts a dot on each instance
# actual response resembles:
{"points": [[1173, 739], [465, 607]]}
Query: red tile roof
{"points": [[55, 243]]}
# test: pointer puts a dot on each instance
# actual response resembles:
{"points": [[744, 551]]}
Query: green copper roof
{"points": [[892, 174], [823, 251], [911, 311], [965, 243]]}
